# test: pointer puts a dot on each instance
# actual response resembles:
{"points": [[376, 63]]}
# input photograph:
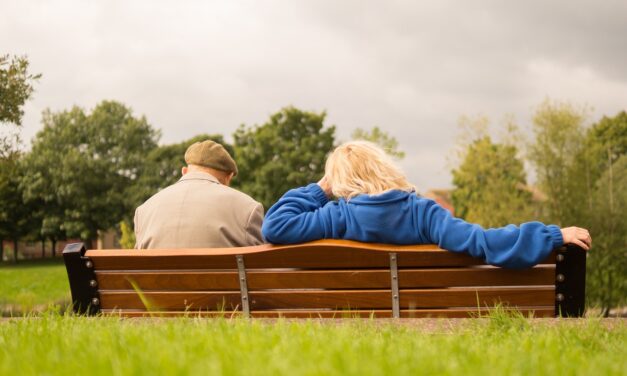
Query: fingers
{"points": [[583, 235], [581, 244], [325, 186], [577, 235], [587, 238]]}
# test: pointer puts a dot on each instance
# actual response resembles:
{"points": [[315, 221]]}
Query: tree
{"points": [[16, 87], [490, 185], [82, 165], [582, 172], [607, 267], [605, 142], [15, 220], [286, 152], [381, 138], [603, 162], [558, 138]]}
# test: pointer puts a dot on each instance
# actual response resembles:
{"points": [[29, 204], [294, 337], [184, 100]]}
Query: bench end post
{"points": [[570, 281], [82, 278]]}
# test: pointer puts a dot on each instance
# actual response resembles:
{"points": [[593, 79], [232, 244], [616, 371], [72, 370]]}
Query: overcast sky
{"points": [[411, 67]]}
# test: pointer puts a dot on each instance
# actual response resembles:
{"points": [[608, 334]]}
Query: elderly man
{"points": [[200, 210]]}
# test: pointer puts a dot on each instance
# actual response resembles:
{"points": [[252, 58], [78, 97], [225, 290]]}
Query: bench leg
{"points": [[83, 283]]}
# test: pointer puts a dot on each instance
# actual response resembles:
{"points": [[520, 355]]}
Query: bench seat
{"points": [[325, 278]]}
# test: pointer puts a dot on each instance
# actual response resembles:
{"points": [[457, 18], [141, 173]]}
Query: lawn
{"points": [[51, 343], [33, 285], [55, 344]]}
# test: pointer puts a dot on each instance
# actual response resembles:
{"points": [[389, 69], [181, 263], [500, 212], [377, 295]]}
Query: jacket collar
{"points": [[198, 175], [385, 197]]}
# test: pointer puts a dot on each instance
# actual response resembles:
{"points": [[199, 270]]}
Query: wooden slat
{"points": [[327, 258], [311, 246], [354, 299], [343, 258], [536, 311], [111, 261], [169, 280], [333, 279], [209, 300], [337, 254], [484, 276]]}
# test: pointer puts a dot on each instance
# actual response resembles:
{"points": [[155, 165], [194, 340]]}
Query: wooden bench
{"points": [[326, 278]]}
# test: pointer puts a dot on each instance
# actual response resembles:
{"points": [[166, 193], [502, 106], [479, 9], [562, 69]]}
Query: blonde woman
{"points": [[377, 204]]}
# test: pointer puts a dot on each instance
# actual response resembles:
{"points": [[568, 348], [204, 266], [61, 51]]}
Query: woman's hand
{"points": [[325, 186], [577, 235]]}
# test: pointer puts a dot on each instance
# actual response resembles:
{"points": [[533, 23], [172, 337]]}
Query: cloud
{"points": [[412, 68]]}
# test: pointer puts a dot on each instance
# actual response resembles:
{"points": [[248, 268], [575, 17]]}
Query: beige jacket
{"points": [[198, 212]]}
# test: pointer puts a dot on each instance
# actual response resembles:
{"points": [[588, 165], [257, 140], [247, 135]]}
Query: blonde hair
{"points": [[361, 167]]}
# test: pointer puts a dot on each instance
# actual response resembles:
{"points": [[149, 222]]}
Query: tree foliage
{"points": [[490, 185], [603, 163], [582, 173], [127, 235], [288, 151], [608, 224], [381, 138], [82, 164], [15, 220], [558, 138], [16, 87]]}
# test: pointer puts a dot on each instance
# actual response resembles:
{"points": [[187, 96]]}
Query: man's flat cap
{"points": [[210, 154]]}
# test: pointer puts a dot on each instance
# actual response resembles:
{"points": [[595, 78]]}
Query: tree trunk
{"points": [[1, 250], [43, 248], [54, 247], [15, 250], [88, 243]]}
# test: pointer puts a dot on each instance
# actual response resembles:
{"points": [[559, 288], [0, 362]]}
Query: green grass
{"points": [[33, 285], [50, 343], [54, 344]]}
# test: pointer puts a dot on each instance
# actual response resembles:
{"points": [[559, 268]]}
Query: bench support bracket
{"points": [[570, 281], [396, 312], [83, 283], [243, 285]]}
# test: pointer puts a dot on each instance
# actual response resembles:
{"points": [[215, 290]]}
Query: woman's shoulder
{"points": [[389, 197]]}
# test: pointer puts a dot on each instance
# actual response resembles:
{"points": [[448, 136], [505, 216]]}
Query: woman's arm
{"points": [[510, 246], [297, 217]]}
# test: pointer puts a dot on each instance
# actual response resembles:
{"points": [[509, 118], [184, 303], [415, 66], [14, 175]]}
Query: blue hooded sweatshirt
{"points": [[399, 217]]}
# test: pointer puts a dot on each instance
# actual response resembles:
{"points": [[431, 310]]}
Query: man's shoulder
{"points": [[163, 192], [181, 190], [240, 196]]}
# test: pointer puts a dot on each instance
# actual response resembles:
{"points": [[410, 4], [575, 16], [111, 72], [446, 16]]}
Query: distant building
{"points": [[442, 197]]}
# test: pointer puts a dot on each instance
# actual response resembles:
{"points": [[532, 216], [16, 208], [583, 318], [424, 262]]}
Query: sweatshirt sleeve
{"points": [[296, 217], [510, 246]]}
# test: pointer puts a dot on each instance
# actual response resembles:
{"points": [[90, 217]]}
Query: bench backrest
{"points": [[326, 278]]}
